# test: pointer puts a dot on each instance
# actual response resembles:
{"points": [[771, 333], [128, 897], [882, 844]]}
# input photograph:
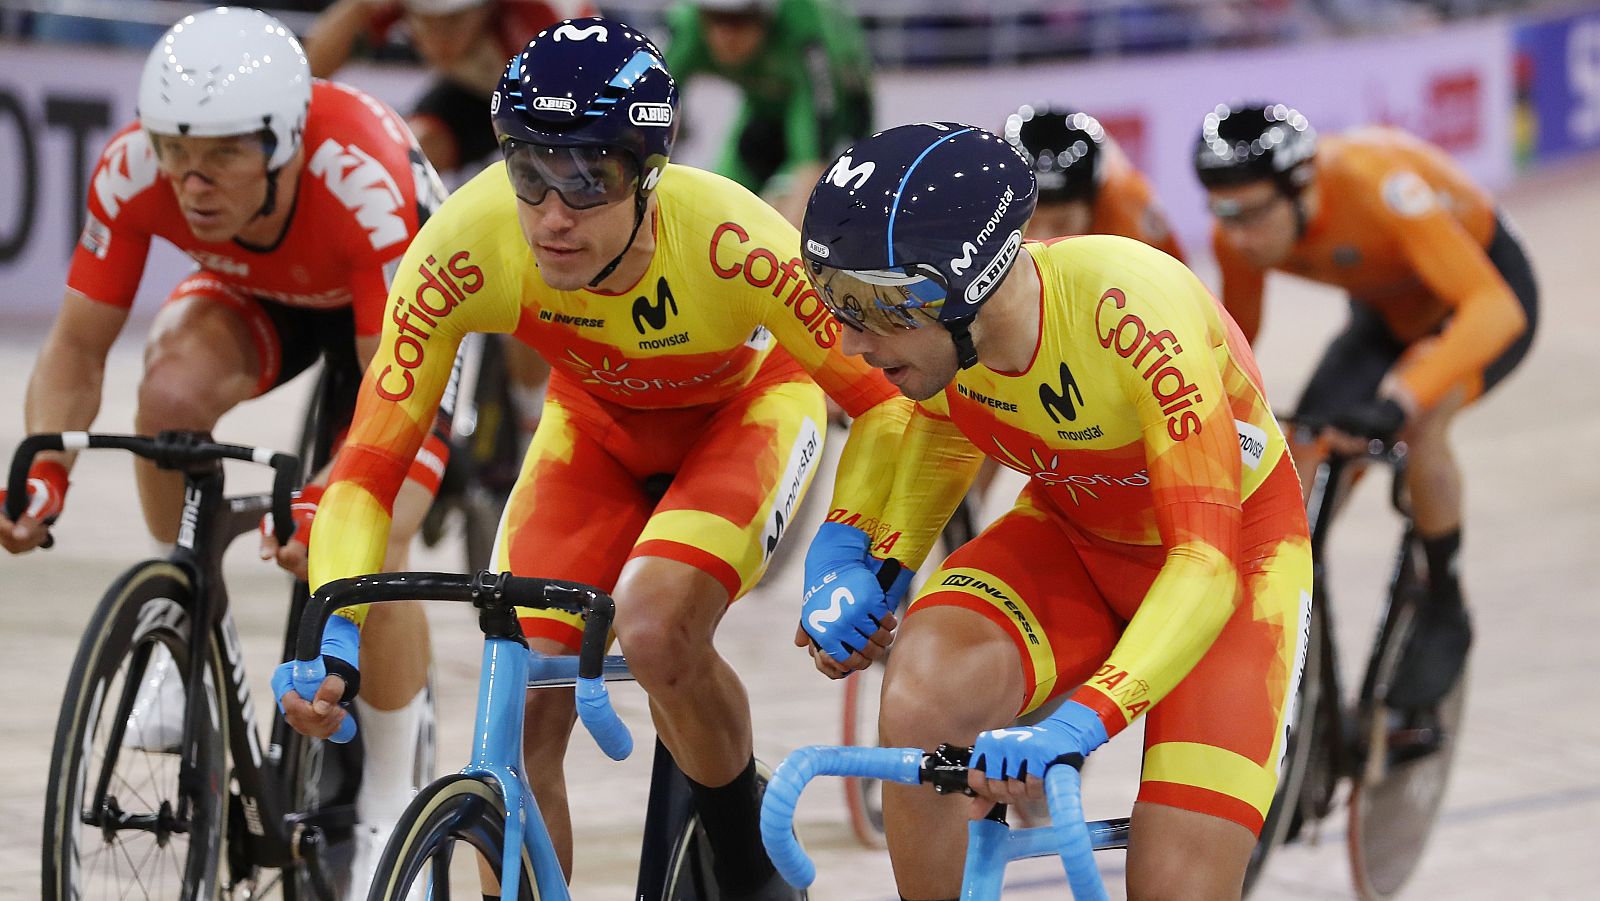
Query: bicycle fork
{"points": [[505, 668]]}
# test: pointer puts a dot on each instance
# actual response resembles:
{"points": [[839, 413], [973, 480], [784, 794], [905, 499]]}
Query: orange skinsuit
{"points": [[1125, 205], [1157, 562], [681, 375], [1402, 229]]}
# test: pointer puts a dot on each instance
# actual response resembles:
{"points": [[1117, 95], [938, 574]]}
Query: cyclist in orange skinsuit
{"points": [[1442, 307]]}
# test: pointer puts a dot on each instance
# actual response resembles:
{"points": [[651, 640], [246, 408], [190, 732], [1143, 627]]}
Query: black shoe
{"points": [[1434, 655]]}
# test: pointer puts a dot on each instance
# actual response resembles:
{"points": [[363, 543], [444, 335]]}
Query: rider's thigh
{"points": [[202, 358], [548, 713], [1181, 854]]}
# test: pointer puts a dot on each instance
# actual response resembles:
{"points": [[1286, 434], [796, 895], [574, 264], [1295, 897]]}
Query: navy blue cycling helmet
{"points": [[932, 214], [590, 83]]}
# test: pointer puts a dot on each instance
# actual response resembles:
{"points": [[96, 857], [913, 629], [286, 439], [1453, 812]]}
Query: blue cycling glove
{"points": [[341, 656], [844, 601], [1021, 751]]}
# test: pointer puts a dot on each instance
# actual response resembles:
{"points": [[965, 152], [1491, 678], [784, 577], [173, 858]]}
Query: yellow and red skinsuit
{"points": [[1126, 205], [1157, 561], [1401, 228], [722, 320]]}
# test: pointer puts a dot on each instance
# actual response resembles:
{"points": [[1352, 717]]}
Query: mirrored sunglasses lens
{"points": [[585, 177]]}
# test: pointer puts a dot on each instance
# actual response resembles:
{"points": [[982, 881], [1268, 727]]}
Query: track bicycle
{"points": [[218, 815], [1396, 761], [991, 843], [488, 806]]}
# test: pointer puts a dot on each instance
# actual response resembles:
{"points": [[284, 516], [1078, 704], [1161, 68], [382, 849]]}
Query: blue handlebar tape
{"points": [[799, 768], [600, 718], [1062, 789]]}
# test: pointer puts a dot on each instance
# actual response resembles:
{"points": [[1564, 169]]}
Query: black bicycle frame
{"points": [[1331, 477], [208, 524]]}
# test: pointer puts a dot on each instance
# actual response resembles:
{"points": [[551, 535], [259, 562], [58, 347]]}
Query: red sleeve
{"points": [[109, 259]]}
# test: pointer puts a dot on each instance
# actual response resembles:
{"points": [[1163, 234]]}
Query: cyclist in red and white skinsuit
{"points": [[292, 196]]}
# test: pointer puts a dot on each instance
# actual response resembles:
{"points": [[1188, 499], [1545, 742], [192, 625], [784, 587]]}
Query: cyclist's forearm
{"points": [[63, 393], [1184, 611], [334, 33]]}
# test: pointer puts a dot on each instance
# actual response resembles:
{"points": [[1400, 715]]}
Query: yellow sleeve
{"points": [[1195, 474], [909, 483], [454, 279]]}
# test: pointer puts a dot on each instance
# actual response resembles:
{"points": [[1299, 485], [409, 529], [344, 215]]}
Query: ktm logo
{"points": [[654, 314], [129, 167], [845, 175], [364, 187], [1059, 403]]}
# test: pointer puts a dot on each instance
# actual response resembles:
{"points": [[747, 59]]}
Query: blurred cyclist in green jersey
{"points": [[806, 77]]}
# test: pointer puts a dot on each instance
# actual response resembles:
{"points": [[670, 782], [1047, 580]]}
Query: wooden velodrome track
{"points": [[1520, 820]]}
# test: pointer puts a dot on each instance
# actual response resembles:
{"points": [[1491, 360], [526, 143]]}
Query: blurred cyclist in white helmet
{"points": [[291, 196]]}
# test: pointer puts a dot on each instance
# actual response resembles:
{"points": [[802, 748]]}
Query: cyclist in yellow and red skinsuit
{"points": [[684, 338], [1442, 307], [1157, 563]]}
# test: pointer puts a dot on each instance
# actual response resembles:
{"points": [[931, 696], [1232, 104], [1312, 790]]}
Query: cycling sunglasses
{"points": [[880, 301], [585, 177]]}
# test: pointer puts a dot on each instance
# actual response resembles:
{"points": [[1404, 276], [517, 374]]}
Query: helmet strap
{"points": [[639, 200], [961, 333], [269, 146], [271, 203]]}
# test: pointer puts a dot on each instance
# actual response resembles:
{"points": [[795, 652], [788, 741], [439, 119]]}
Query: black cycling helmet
{"points": [[1240, 143], [1064, 148]]}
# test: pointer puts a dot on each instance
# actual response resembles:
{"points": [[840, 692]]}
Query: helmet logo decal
{"points": [[962, 263], [997, 268], [845, 175], [494, 103], [658, 115], [650, 179], [556, 104], [571, 32], [817, 248]]}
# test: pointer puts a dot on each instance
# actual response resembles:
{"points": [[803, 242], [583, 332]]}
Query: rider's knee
{"points": [[921, 708], [169, 400], [660, 647]]}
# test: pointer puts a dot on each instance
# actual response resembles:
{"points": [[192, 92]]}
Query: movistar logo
{"points": [[846, 175], [654, 313], [962, 263], [819, 620], [1062, 403]]}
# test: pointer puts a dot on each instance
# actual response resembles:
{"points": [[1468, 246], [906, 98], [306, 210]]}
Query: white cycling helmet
{"points": [[228, 71]]}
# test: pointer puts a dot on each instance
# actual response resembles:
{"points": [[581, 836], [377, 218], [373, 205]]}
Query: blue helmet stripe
{"points": [[640, 63], [895, 209]]}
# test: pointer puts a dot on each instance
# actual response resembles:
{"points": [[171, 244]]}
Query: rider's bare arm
{"points": [[334, 34], [64, 390]]}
